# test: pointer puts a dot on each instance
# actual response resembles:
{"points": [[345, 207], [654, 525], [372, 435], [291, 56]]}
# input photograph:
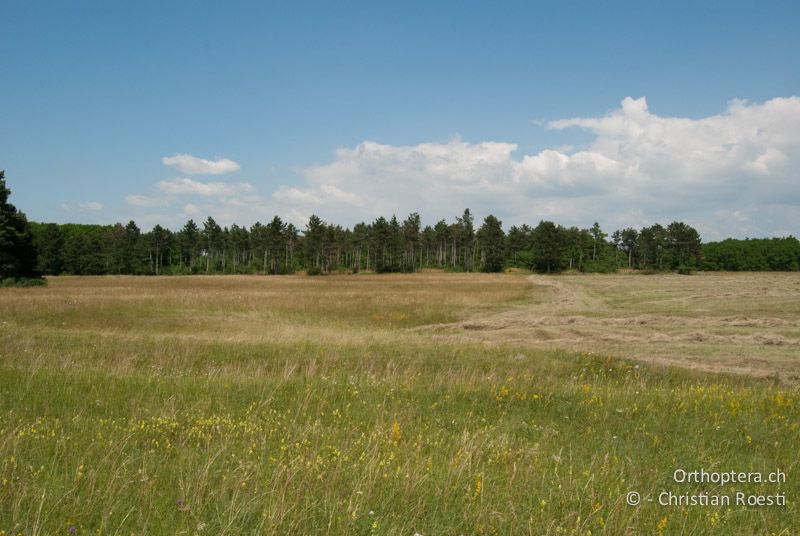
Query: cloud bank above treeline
{"points": [[732, 174]]}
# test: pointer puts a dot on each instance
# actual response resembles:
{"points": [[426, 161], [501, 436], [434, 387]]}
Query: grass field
{"points": [[427, 403], [742, 323]]}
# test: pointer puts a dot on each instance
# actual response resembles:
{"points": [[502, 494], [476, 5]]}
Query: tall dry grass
{"points": [[249, 405]]}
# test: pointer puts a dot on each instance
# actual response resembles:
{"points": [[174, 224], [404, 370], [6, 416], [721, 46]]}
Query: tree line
{"points": [[752, 255], [384, 245]]}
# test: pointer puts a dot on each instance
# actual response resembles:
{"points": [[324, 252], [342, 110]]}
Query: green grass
{"points": [[159, 421]]}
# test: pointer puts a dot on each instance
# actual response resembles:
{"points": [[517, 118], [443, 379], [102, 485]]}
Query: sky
{"points": [[624, 113]]}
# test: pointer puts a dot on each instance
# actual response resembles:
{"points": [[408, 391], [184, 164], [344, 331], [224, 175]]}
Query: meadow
{"points": [[429, 404]]}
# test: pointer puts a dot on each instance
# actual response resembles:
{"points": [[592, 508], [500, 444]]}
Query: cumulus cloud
{"points": [[639, 168], [731, 174], [226, 201], [754, 147], [190, 209], [374, 178], [146, 201], [89, 206], [187, 163], [318, 196], [186, 186]]}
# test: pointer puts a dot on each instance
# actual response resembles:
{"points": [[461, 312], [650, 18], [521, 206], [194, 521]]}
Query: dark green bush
{"points": [[23, 282]]}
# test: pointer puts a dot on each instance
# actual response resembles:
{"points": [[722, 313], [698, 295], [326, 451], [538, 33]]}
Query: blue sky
{"points": [[348, 110]]}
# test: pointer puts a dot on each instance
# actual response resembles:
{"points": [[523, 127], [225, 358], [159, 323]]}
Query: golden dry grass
{"points": [[123, 323], [429, 403], [747, 323]]}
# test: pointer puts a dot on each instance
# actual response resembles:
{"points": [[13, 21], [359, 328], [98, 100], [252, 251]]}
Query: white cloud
{"points": [[89, 206], [186, 186], [746, 145], [731, 174], [319, 196], [640, 168], [191, 209], [187, 163], [145, 201]]}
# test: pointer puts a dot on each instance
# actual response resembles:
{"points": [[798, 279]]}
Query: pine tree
{"points": [[682, 243], [466, 237], [17, 250], [411, 236], [189, 242], [548, 245], [598, 237], [212, 241], [313, 239], [491, 241], [158, 240], [49, 241]]}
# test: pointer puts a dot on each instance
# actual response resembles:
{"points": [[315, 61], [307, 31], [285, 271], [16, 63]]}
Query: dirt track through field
{"points": [[736, 323]]}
